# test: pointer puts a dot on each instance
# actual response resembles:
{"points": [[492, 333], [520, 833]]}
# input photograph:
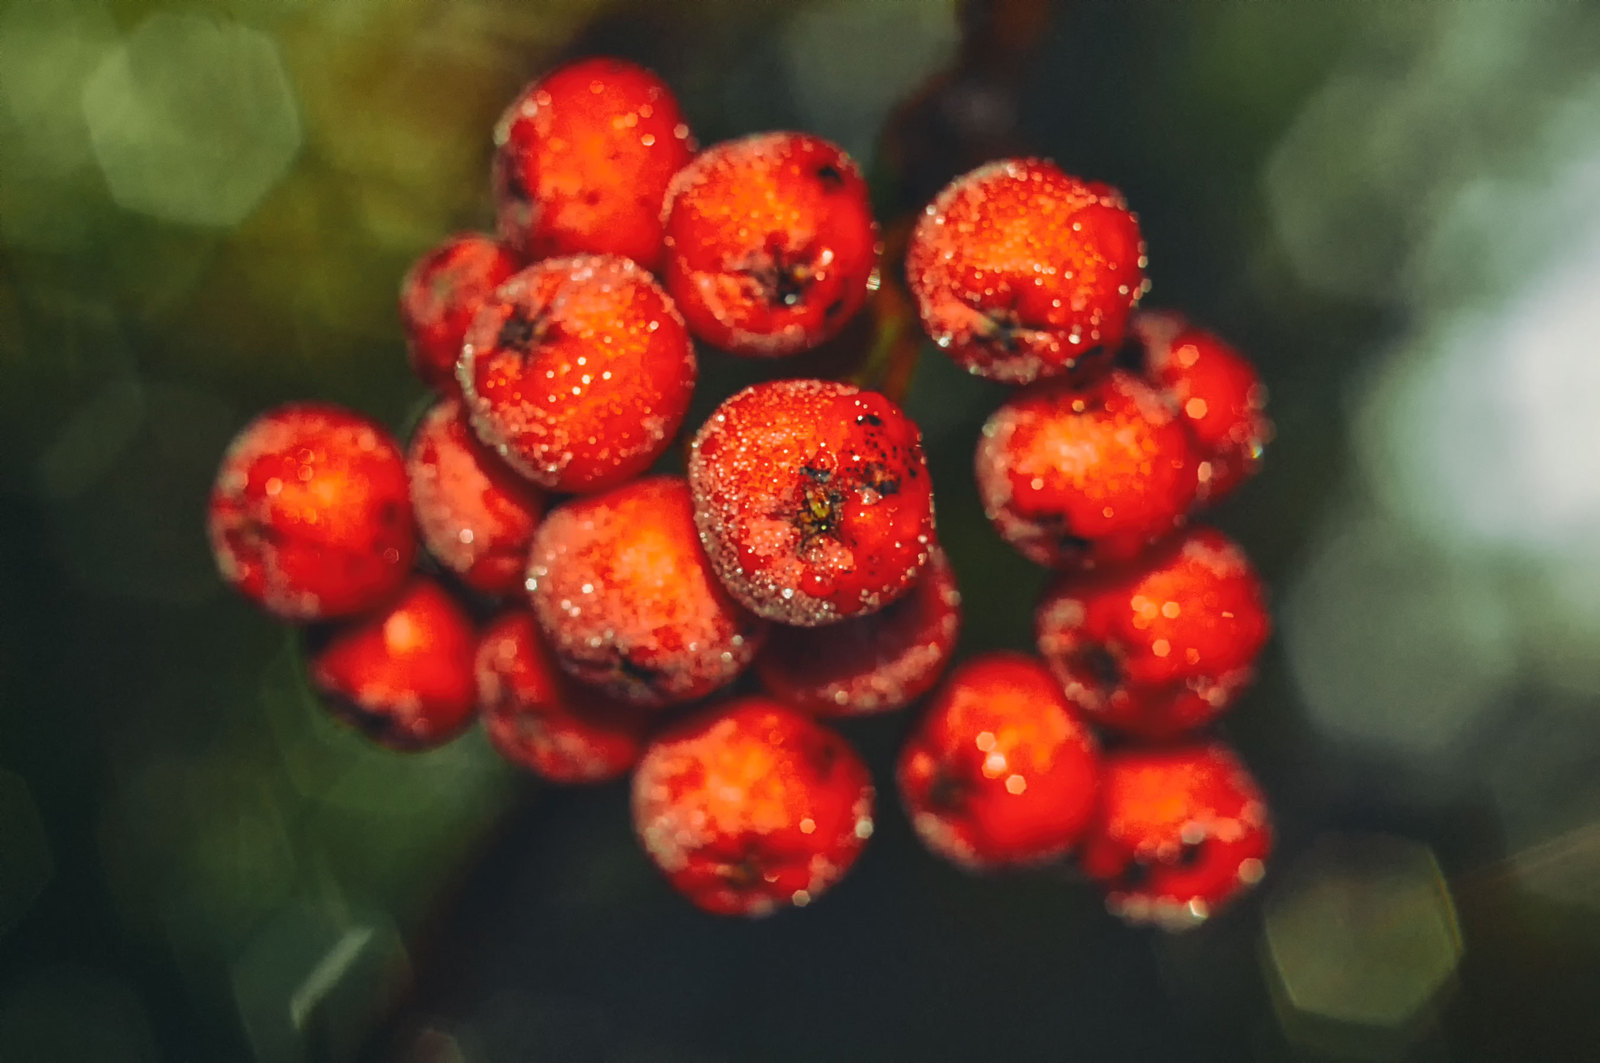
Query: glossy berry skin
{"points": [[309, 515], [813, 499], [582, 161], [1019, 269], [578, 372], [475, 514], [1000, 771], [752, 806], [1217, 392], [627, 601], [1076, 476], [868, 664], [544, 721], [402, 676], [439, 297], [1160, 647], [770, 243], [1181, 831]]}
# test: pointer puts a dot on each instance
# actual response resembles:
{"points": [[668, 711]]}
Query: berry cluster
{"points": [[597, 617]]}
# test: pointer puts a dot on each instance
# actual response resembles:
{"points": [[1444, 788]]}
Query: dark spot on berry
{"points": [[591, 197], [887, 486], [390, 513], [870, 418], [637, 671], [521, 332], [947, 791], [820, 476], [834, 309], [1135, 875], [515, 187], [1101, 666], [831, 176], [1189, 856]]}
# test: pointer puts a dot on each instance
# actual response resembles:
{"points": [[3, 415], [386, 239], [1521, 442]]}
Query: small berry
{"points": [[1073, 476], [403, 676], [1218, 392], [309, 515], [1180, 832], [475, 514], [999, 771], [628, 602], [548, 723], [1019, 269], [771, 245], [813, 499], [751, 806], [582, 161], [439, 297], [578, 372], [1161, 646], [874, 663]]}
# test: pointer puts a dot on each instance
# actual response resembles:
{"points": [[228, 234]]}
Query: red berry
{"points": [[1019, 269], [627, 600], [813, 499], [476, 515], [578, 371], [771, 245], [1159, 647], [309, 514], [539, 718], [402, 676], [439, 297], [1179, 833], [873, 663], [1217, 391], [999, 771], [1073, 476], [582, 161], [751, 806]]}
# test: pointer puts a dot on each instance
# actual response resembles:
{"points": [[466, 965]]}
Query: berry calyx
{"points": [[1019, 269], [309, 514], [999, 771], [770, 243], [582, 161], [439, 297], [813, 499], [752, 806], [578, 372]]}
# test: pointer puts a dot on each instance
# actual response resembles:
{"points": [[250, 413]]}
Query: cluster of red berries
{"points": [[800, 544]]}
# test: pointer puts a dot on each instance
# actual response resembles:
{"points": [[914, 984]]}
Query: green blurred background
{"points": [[1392, 205]]}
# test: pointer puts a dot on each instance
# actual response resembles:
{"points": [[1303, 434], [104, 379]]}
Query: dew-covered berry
{"points": [[582, 161], [813, 499], [752, 806], [578, 372], [770, 243], [542, 719], [627, 601], [999, 771], [1180, 832], [1019, 269], [309, 514], [439, 297], [868, 664], [1161, 646], [1073, 476], [401, 676], [475, 514]]}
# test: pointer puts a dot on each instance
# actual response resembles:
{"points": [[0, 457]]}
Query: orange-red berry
{"points": [[439, 297]]}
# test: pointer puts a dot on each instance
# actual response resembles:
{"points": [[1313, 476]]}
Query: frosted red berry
{"points": [[1019, 269], [812, 499], [1000, 771], [544, 721], [440, 295], [1180, 832], [1162, 646], [402, 676], [582, 161], [1217, 392], [752, 806], [578, 372], [770, 243], [868, 664], [627, 600], [1081, 475], [309, 514], [475, 514]]}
